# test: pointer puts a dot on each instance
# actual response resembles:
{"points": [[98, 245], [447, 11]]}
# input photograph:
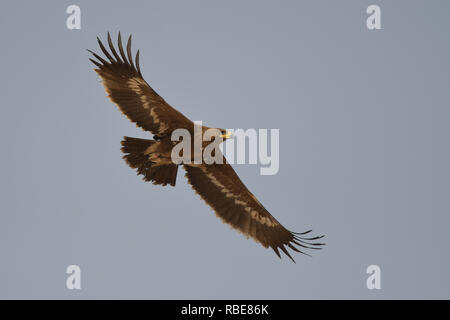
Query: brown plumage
{"points": [[217, 184]]}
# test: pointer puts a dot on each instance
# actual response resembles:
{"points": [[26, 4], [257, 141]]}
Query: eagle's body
{"points": [[217, 183]]}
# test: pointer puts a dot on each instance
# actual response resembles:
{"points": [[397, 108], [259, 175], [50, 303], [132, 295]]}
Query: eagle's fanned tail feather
{"points": [[137, 157]]}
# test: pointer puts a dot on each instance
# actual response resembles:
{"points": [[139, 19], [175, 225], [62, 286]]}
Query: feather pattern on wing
{"points": [[220, 187], [123, 81]]}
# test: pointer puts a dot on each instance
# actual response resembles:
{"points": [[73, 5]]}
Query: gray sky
{"points": [[364, 149]]}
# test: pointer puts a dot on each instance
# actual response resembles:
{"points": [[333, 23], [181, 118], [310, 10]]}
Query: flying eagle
{"points": [[217, 184]]}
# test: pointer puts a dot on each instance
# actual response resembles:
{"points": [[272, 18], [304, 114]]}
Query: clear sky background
{"points": [[364, 149]]}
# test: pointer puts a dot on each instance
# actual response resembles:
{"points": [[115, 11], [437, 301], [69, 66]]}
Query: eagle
{"points": [[216, 183]]}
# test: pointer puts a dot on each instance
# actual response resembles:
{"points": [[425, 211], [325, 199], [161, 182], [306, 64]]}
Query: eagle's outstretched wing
{"points": [[224, 192], [127, 88]]}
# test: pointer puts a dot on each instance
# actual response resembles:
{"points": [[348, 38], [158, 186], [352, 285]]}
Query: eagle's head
{"points": [[224, 134]]}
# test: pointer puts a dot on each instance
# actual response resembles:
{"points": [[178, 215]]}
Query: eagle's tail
{"points": [[137, 156]]}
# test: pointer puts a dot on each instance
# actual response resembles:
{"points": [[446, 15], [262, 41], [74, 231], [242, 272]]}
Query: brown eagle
{"points": [[217, 184]]}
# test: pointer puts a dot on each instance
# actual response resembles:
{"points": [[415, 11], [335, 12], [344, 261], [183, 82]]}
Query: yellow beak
{"points": [[226, 135]]}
